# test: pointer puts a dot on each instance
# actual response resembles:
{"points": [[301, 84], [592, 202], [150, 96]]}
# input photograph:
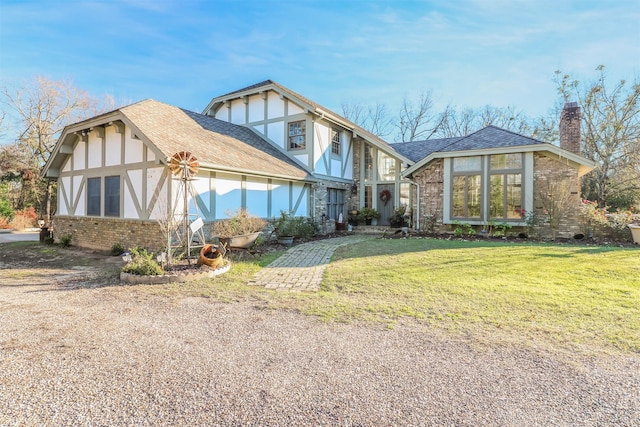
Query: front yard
{"points": [[559, 297]]}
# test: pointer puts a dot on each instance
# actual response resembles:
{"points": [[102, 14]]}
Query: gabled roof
{"points": [[215, 143], [488, 140], [310, 106], [416, 150]]}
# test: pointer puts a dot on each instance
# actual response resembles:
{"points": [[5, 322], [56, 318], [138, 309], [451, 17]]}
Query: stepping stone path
{"points": [[301, 267]]}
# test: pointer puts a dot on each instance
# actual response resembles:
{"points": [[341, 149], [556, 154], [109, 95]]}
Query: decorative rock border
{"points": [[136, 279]]}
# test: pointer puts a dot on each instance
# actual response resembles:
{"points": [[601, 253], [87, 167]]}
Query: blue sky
{"points": [[469, 53]]}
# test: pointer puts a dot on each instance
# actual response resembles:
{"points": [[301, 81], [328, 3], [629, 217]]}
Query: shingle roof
{"points": [[416, 150], [222, 144], [488, 137]]}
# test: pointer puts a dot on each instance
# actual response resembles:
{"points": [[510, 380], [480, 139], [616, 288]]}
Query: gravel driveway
{"points": [[115, 356]]}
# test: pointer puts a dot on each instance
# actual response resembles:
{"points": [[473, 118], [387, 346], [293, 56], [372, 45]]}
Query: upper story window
{"points": [[386, 167], [335, 142], [297, 140], [368, 163]]}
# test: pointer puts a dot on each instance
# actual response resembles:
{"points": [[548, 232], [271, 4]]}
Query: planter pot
{"points": [[285, 240], [212, 256], [340, 226], [243, 241], [635, 233]]}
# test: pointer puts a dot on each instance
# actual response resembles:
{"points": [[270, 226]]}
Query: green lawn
{"points": [[571, 296], [576, 298]]}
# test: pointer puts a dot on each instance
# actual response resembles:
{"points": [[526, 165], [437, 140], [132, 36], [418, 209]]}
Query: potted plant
{"points": [[240, 230], [285, 228], [398, 218], [368, 215]]}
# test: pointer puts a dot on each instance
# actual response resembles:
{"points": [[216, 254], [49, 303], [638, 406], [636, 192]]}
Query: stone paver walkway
{"points": [[302, 266]]}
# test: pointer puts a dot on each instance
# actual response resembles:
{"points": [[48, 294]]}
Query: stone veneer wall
{"points": [[431, 182], [103, 233], [320, 195], [548, 173], [546, 170]]}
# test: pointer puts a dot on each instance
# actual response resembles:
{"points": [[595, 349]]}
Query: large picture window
{"points": [[93, 196], [112, 196], [506, 186], [467, 188], [297, 139]]}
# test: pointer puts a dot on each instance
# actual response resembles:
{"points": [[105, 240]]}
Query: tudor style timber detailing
{"points": [[104, 153], [323, 147]]}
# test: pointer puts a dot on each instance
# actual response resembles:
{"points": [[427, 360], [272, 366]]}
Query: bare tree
{"points": [[464, 122], [419, 121], [374, 119], [42, 108], [610, 135]]}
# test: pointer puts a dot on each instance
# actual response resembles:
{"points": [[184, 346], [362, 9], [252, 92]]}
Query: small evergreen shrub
{"points": [[142, 263], [65, 240], [117, 249]]}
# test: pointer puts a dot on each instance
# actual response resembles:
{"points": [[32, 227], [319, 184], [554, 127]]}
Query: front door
{"points": [[386, 201]]}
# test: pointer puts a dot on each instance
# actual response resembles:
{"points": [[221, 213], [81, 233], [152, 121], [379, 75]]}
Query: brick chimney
{"points": [[570, 127]]}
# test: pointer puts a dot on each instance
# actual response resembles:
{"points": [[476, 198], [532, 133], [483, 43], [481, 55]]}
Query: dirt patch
{"points": [[32, 263]]}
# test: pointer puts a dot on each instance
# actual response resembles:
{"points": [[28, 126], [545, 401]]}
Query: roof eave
{"points": [[584, 165], [252, 172]]}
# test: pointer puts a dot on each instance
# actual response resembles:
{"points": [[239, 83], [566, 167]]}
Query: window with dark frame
{"points": [[335, 142], [335, 203], [297, 135], [112, 196], [93, 196]]}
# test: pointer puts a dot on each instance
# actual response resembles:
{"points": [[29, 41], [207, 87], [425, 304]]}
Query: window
{"points": [[335, 141], [368, 163], [368, 196], [466, 196], [297, 135], [335, 203], [467, 187], [506, 186], [93, 196], [386, 167], [112, 196]]}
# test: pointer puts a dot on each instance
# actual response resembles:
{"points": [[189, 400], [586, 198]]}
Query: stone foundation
{"points": [[102, 233]]}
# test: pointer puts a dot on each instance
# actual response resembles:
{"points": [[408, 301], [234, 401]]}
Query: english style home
{"points": [[268, 149]]}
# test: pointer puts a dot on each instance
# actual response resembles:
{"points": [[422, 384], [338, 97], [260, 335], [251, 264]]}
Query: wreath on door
{"points": [[385, 196]]}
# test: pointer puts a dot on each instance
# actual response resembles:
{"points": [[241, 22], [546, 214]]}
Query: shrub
{"points": [[239, 222], [295, 226], [25, 218], [117, 249], [6, 211], [4, 223], [65, 240], [142, 263], [463, 229]]}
